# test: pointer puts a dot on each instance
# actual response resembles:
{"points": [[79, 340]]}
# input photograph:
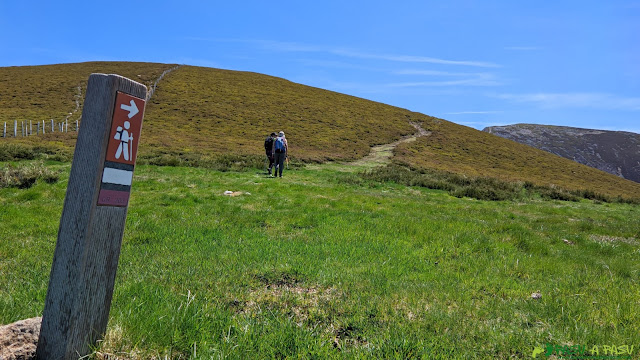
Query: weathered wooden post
{"points": [[15, 128], [52, 128], [43, 131], [93, 217], [77, 128], [4, 133], [30, 127]]}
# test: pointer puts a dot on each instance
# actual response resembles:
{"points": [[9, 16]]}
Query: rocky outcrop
{"points": [[616, 152], [18, 341]]}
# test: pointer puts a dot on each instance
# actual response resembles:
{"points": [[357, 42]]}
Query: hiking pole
{"points": [[131, 146]]}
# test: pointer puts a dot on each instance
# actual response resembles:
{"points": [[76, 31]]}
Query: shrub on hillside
{"points": [[553, 193], [17, 151], [12, 152], [223, 162], [455, 184], [481, 188], [26, 176]]}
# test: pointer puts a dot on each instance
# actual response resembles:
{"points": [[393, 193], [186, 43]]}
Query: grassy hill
{"points": [[199, 115], [50, 91], [463, 150]]}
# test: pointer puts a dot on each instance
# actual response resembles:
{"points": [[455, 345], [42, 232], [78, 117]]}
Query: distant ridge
{"points": [[616, 152]]}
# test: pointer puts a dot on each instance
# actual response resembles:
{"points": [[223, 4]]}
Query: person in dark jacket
{"points": [[268, 148]]}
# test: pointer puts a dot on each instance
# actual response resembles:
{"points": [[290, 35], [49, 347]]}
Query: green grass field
{"points": [[325, 263]]}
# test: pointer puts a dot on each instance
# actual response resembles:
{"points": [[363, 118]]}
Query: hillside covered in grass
{"points": [[474, 153], [198, 115], [50, 91]]}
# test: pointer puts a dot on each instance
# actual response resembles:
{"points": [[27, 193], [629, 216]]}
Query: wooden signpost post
{"points": [[92, 223]]}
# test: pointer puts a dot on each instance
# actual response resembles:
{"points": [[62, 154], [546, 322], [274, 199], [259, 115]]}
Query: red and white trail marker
{"points": [[122, 150]]}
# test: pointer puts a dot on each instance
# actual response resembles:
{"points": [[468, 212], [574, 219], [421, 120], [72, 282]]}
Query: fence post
{"points": [[38, 128], [52, 128], [43, 131], [93, 218], [76, 125], [4, 133], [30, 127], [15, 128]]}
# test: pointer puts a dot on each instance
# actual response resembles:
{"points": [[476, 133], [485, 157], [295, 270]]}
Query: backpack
{"points": [[280, 145], [268, 144]]}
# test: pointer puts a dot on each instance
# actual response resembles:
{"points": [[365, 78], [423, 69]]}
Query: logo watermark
{"points": [[575, 352]]}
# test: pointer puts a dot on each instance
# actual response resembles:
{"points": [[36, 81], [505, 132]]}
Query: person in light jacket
{"points": [[280, 150]]}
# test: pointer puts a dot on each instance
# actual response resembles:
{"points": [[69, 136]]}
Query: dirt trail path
{"points": [[379, 155], [152, 88]]}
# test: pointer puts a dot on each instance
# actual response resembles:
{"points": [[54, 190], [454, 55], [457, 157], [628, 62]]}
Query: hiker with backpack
{"points": [[268, 148], [280, 149]]}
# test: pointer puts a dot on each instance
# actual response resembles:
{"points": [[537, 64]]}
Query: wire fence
{"points": [[30, 127]]}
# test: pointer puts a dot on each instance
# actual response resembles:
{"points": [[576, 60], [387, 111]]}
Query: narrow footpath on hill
{"points": [[152, 89], [380, 155]]}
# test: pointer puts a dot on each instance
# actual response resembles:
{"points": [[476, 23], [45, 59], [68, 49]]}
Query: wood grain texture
{"points": [[89, 238]]}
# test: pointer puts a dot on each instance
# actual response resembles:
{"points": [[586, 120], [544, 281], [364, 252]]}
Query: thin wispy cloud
{"points": [[464, 82], [337, 65], [349, 53], [576, 100], [473, 112], [523, 48], [416, 72], [289, 46], [413, 59], [474, 124], [459, 79]]}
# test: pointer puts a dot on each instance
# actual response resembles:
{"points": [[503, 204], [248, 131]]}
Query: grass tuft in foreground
{"points": [[24, 176]]}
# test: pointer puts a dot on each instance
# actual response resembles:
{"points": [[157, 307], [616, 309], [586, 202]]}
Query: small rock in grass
{"points": [[233, 193], [19, 340]]}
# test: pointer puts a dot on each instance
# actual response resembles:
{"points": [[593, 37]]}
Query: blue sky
{"points": [[476, 63]]}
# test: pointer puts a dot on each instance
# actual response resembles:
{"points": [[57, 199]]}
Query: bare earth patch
{"points": [[312, 306], [605, 239], [301, 302]]}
